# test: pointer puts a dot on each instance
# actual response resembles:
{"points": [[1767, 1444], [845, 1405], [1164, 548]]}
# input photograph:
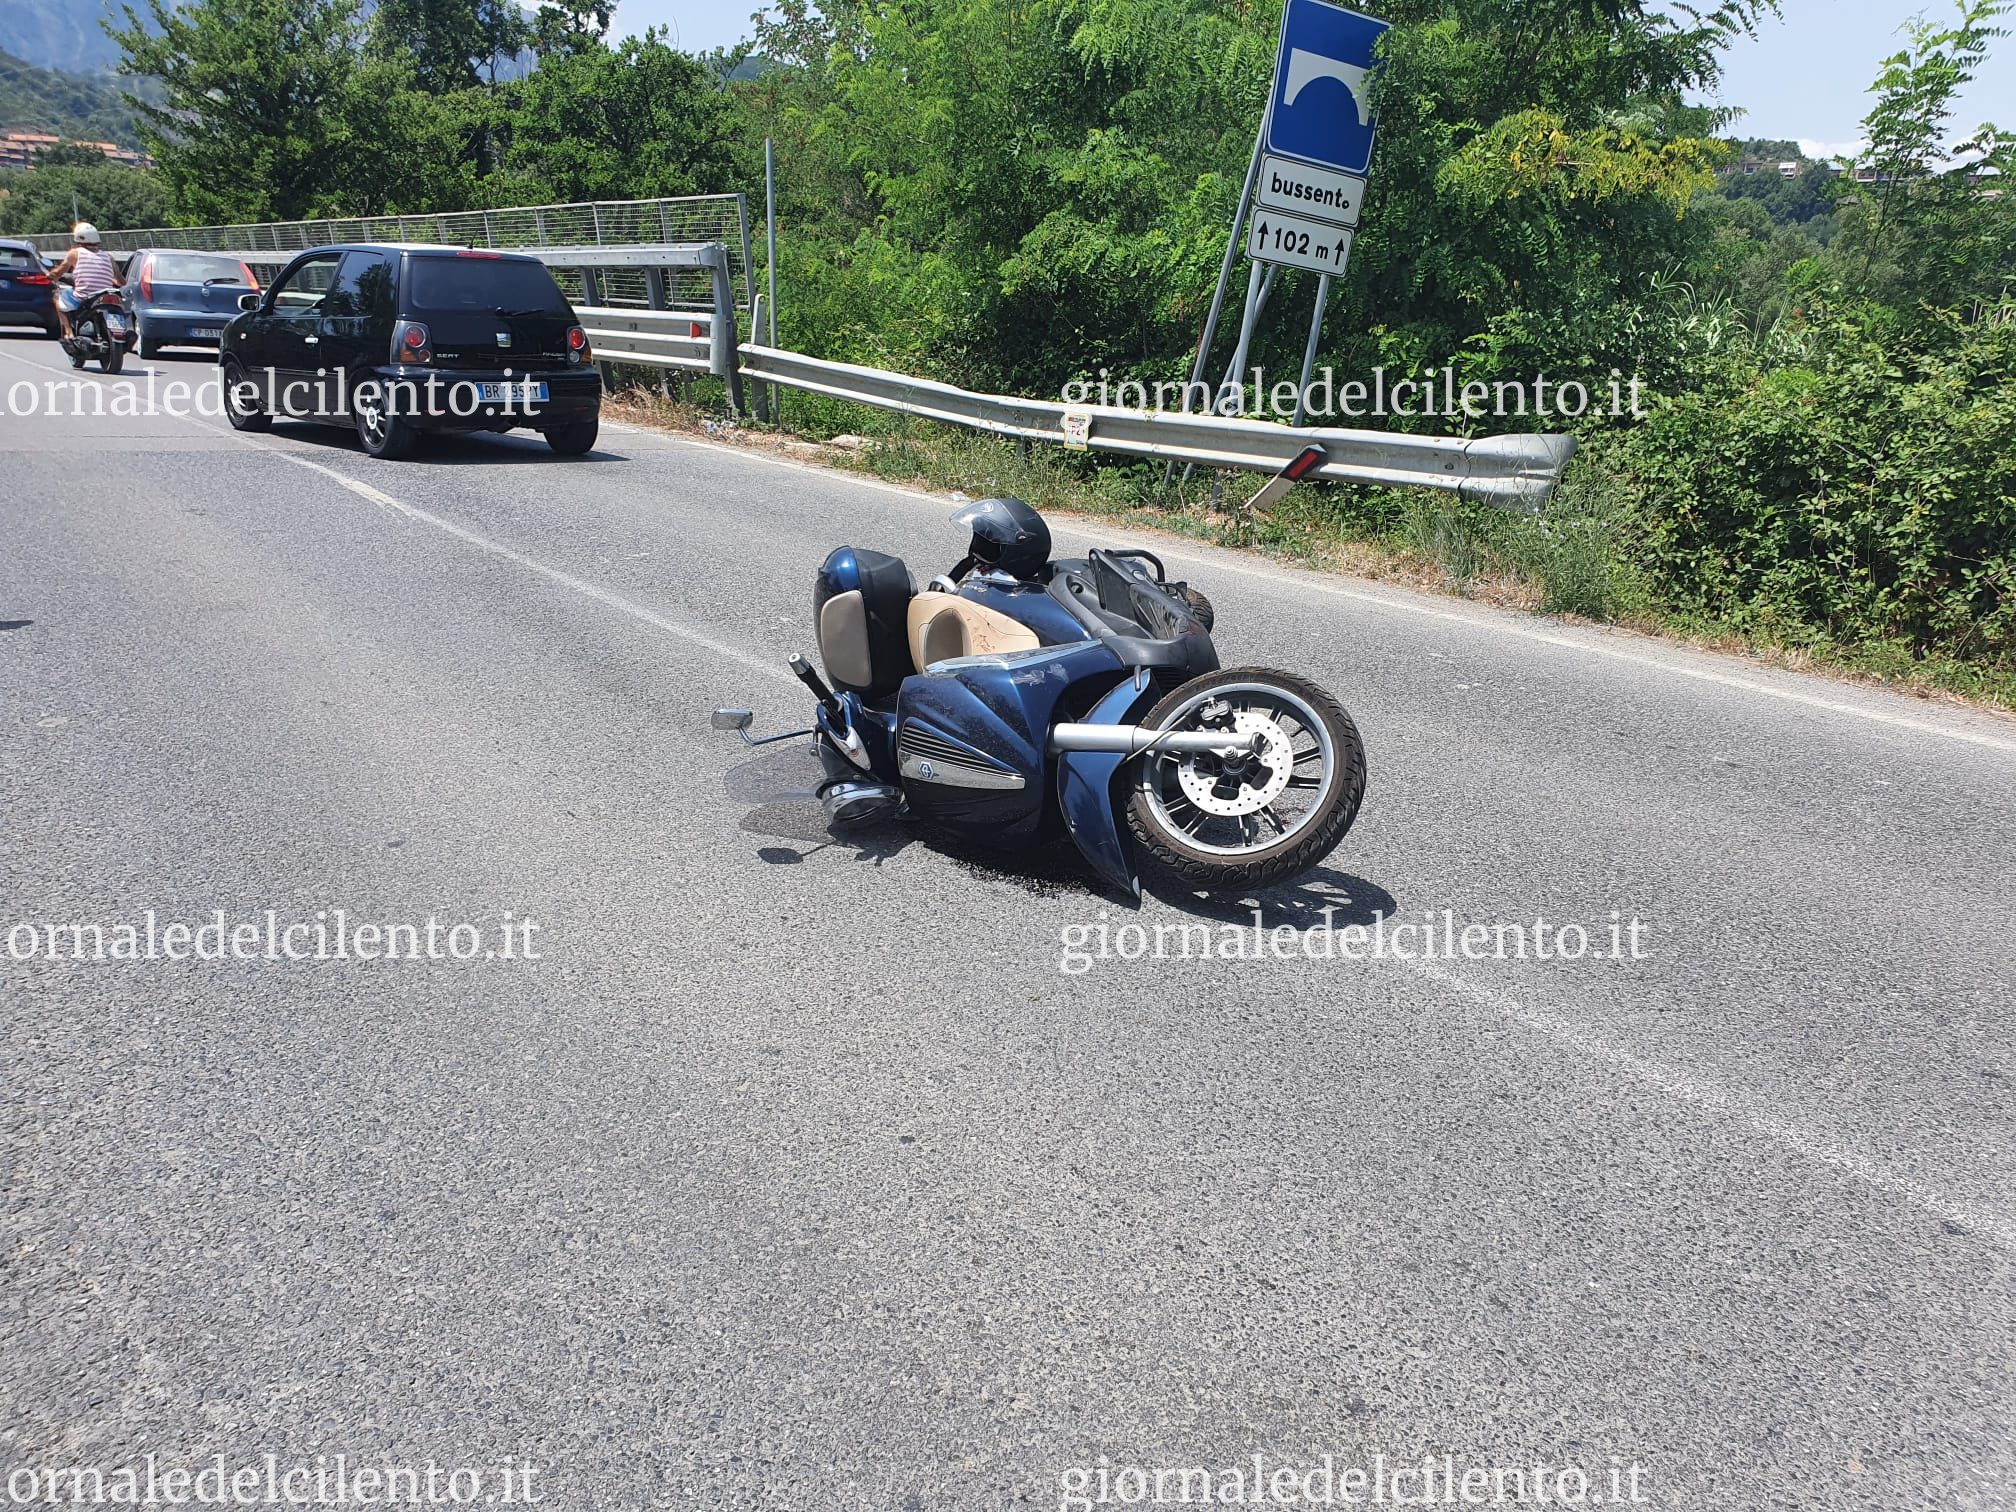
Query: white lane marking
{"points": [[1494, 625], [495, 548], [1714, 1100], [1671, 1083]]}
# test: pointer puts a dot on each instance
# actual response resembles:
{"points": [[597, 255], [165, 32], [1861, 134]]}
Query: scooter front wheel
{"points": [[1222, 822]]}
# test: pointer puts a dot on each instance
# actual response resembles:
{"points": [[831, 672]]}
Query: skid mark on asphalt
{"points": [[1563, 1031]]}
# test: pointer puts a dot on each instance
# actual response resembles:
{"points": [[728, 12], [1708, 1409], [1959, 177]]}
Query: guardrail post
{"points": [[722, 351], [764, 395], [654, 296]]}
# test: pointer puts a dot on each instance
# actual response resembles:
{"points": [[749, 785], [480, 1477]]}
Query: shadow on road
{"points": [[473, 449], [782, 787]]}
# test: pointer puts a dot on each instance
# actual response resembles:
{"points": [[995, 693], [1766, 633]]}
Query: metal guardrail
{"points": [[654, 331], [688, 220], [1508, 471], [657, 334]]}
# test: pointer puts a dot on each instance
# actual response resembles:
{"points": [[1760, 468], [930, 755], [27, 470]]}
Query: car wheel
{"points": [[149, 350], [242, 409], [384, 435], [576, 437]]}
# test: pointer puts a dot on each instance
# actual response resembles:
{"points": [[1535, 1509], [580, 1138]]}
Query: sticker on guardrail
{"points": [[1077, 430]]}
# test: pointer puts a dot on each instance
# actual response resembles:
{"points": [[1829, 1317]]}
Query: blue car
{"points": [[27, 297], [184, 298]]}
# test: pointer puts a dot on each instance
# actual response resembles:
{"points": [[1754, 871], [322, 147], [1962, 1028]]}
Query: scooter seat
{"points": [[944, 625]]}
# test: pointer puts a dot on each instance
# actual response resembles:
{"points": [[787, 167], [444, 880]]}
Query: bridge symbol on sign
{"points": [[1321, 112], [1306, 66]]}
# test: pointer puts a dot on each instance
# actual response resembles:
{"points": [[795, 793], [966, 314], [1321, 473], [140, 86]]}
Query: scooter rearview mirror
{"points": [[734, 719]]}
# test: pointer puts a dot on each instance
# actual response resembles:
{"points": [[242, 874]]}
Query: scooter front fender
{"points": [[1085, 788]]}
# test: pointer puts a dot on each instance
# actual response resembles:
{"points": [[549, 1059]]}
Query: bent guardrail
{"points": [[1508, 471]]}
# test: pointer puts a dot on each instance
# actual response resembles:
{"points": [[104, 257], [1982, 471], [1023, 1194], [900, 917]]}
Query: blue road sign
{"points": [[1322, 113]]}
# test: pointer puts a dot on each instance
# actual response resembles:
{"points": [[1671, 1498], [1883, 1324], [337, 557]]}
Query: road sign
{"points": [[1321, 112], [1285, 184], [1296, 242]]}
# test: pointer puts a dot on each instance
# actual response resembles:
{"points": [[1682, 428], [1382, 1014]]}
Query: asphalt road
{"points": [[795, 1173]]}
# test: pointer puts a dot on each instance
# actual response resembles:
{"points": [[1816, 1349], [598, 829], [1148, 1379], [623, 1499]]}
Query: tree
{"points": [[261, 98], [1017, 192], [453, 44], [631, 122], [566, 26], [40, 200], [1930, 231]]}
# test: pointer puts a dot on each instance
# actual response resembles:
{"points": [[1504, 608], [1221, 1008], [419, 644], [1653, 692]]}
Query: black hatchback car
{"points": [[400, 341]]}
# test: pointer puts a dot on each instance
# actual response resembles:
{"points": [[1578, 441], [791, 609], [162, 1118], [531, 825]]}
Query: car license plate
{"points": [[206, 333], [514, 393]]}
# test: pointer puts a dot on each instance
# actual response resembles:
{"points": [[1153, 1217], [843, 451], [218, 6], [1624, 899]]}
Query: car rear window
{"points": [[17, 261], [447, 284], [191, 267]]}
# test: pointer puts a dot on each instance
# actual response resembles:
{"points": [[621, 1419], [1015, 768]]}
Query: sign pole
{"points": [[770, 263], [1197, 363], [1225, 268], [1309, 352], [1256, 303]]}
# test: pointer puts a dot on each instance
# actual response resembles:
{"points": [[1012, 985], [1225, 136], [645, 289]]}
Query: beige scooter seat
{"points": [[943, 625]]}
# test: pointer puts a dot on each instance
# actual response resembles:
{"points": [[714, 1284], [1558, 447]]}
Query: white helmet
{"points": [[85, 235]]}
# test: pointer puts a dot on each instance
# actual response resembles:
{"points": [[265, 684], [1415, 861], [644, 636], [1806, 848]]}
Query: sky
{"points": [[1804, 78]]}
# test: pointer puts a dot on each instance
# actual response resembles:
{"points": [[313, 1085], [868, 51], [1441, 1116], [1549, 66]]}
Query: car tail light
{"points": [[410, 343], [147, 279], [477, 254], [577, 344], [34, 280], [250, 281]]}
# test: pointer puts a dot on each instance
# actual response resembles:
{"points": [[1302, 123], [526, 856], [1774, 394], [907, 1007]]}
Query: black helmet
{"points": [[1008, 536]]}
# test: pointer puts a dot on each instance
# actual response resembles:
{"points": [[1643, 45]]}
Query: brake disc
{"points": [[1259, 783]]}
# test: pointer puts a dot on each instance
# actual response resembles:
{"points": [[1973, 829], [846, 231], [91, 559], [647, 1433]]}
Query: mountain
{"points": [[69, 34], [66, 36], [70, 105]]}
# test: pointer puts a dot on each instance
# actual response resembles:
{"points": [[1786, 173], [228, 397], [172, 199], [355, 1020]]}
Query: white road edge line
{"points": [[483, 543], [1714, 1100], [1561, 1030], [1493, 625]]}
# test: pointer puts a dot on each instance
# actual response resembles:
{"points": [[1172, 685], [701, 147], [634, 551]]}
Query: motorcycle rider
{"points": [[90, 270]]}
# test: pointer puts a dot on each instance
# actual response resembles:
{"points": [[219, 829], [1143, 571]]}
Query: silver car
{"points": [[184, 298]]}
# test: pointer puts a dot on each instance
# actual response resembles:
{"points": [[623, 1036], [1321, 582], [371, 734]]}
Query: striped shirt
{"points": [[94, 273]]}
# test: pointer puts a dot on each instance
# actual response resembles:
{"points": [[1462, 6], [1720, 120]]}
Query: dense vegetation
{"points": [[1017, 193], [73, 105]]}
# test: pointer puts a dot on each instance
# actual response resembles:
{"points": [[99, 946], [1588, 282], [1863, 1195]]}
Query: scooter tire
{"points": [[1166, 857]]}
